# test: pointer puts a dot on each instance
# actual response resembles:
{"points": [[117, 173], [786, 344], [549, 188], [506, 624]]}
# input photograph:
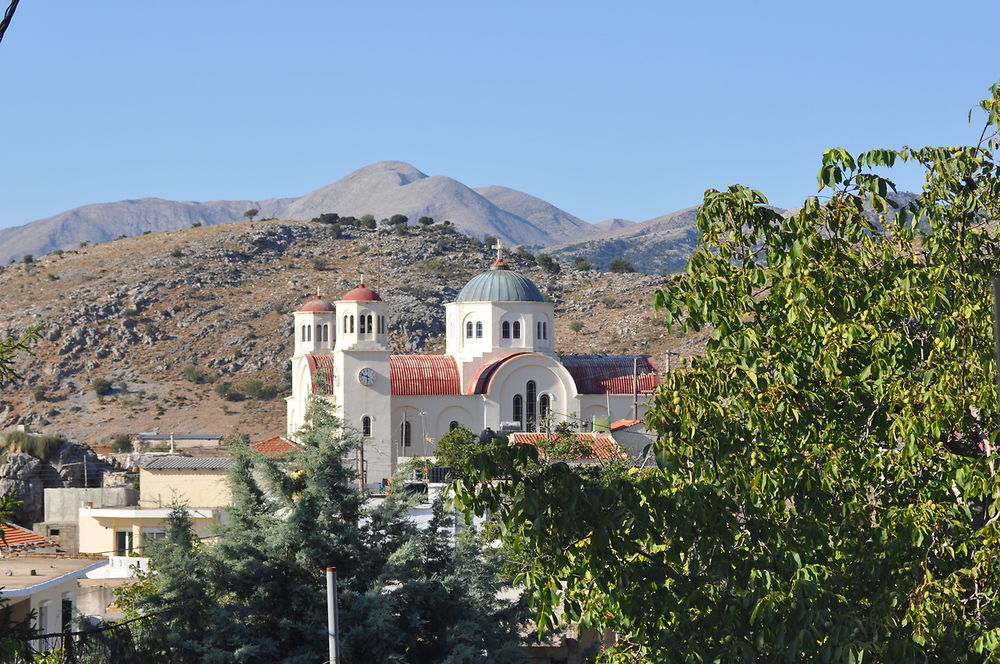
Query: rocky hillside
{"points": [[175, 321]]}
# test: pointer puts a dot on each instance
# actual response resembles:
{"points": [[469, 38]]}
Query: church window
{"points": [[531, 392], [538, 330], [517, 329], [309, 333], [366, 426], [319, 332], [370, 328], [452, 425], [468, 330], [545, 330], [351, 322], [362, 328], [303, 333], [479, 330], [518, 411], [345, 323], [505, 330], [326, 332], [404, 434], [381, 324], [544, 410]]}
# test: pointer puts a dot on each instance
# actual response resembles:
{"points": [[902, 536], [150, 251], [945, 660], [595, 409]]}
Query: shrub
{"points": [[455, 448], [327, 218], [581, 264], [176, 252], [128, 313], [27, 258], [398, 219], [256, 389], [196, 224], [576, 326], [609, 302], [549, 264], [319, 263], [121, 443], [425, 221], [620, 265], [41, 447], [38, 393], [199, 376], [102, 387]]}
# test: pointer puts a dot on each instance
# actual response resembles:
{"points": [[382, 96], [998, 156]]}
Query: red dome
{"points": [[361, 294], [317, 304]]}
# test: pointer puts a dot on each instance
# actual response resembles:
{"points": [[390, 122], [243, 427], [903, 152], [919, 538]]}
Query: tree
{"points": [[576, 326], [425, 221], [456, 447], [581, 264], [102, 387], [549, 264], [251, 213], [398, 219], [827, 484], [620, 265], [14, 634], [406, 595]]}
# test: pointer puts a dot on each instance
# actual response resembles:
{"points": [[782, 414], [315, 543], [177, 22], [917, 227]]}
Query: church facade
{"points": [[500, 370]]}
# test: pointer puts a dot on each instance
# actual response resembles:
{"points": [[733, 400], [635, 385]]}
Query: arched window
{"points": [[538, 330], [452, 425], [479, 330], [319, 332], [366, 426], [517, 329], [326, 332], [345, 324], [303, 333], [361, 325], [381, 324], [505, 330], [309, 333], [352, 323], [370, 328], [544, 408], [545, 330], [518, 411], [404, 434], [468, 330], [530, 393]]}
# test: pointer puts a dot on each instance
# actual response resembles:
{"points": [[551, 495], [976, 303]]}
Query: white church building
{"points": [[500, 370]]}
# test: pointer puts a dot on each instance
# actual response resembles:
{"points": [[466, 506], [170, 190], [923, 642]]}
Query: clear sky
{"points": [[605, 109]]}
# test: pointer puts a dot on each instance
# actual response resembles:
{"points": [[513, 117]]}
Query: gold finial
{"points": [[317, 291], [362, 278], [499, 247]]}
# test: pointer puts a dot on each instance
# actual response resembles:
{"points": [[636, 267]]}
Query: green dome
{"points": [[500, 284]]}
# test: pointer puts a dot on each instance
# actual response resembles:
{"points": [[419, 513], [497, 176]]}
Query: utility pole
{"points": [[331, 614], [635, 388]]}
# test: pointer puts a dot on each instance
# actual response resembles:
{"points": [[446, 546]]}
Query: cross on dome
{"points": [[499, 247]]}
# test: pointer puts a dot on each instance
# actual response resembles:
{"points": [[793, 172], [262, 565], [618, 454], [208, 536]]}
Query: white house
{"points": [[500, 370]]}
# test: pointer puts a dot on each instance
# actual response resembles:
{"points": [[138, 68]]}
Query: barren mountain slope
{"points": [[138, 312]]}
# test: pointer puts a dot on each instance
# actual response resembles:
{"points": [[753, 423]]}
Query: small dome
{"points": [[317, 304], [361, 294], [500, 284]]}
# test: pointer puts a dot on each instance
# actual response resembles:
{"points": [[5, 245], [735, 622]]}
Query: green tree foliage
{"points": [[10, 346], [40, 447], [620, 265], [406, 595], [456, 447], [576, 326], [398, 219], [426, 221], [827, 480], [549, 264], [14, 634], [251, 213], [581, 264], [102, 387], [121, 443], [327, 218]]}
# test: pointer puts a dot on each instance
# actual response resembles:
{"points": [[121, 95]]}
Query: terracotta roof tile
{"points": [[611, 374], [621, 424], [275, 446], [602, 445], [424, 374], [21, 539]]}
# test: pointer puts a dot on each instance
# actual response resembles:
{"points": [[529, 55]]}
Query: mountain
{"points": [[614, 224], [538, 212], [382, 190], [662, 244], [171, 318]]}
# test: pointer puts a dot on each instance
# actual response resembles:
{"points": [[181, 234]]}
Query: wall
{"points": [[192, 487], [62, 505], [97, 532]]}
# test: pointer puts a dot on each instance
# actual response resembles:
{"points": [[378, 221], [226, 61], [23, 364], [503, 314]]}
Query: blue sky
{"points": [[604, 109]]}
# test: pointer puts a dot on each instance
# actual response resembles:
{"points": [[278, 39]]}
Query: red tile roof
{"points": [[275, 446], [321, 370], [317, 304], [602, 445], [611, 374], [424, 374], [361, 294], [621, 424], [480, 383], [21, 539]]}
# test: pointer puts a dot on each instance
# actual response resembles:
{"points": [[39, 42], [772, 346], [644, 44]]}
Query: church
{"points": [[500, 370]]}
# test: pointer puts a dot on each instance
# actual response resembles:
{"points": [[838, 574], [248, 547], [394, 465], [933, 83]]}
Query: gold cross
{"points": [[317, 291], [499, 248]]}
